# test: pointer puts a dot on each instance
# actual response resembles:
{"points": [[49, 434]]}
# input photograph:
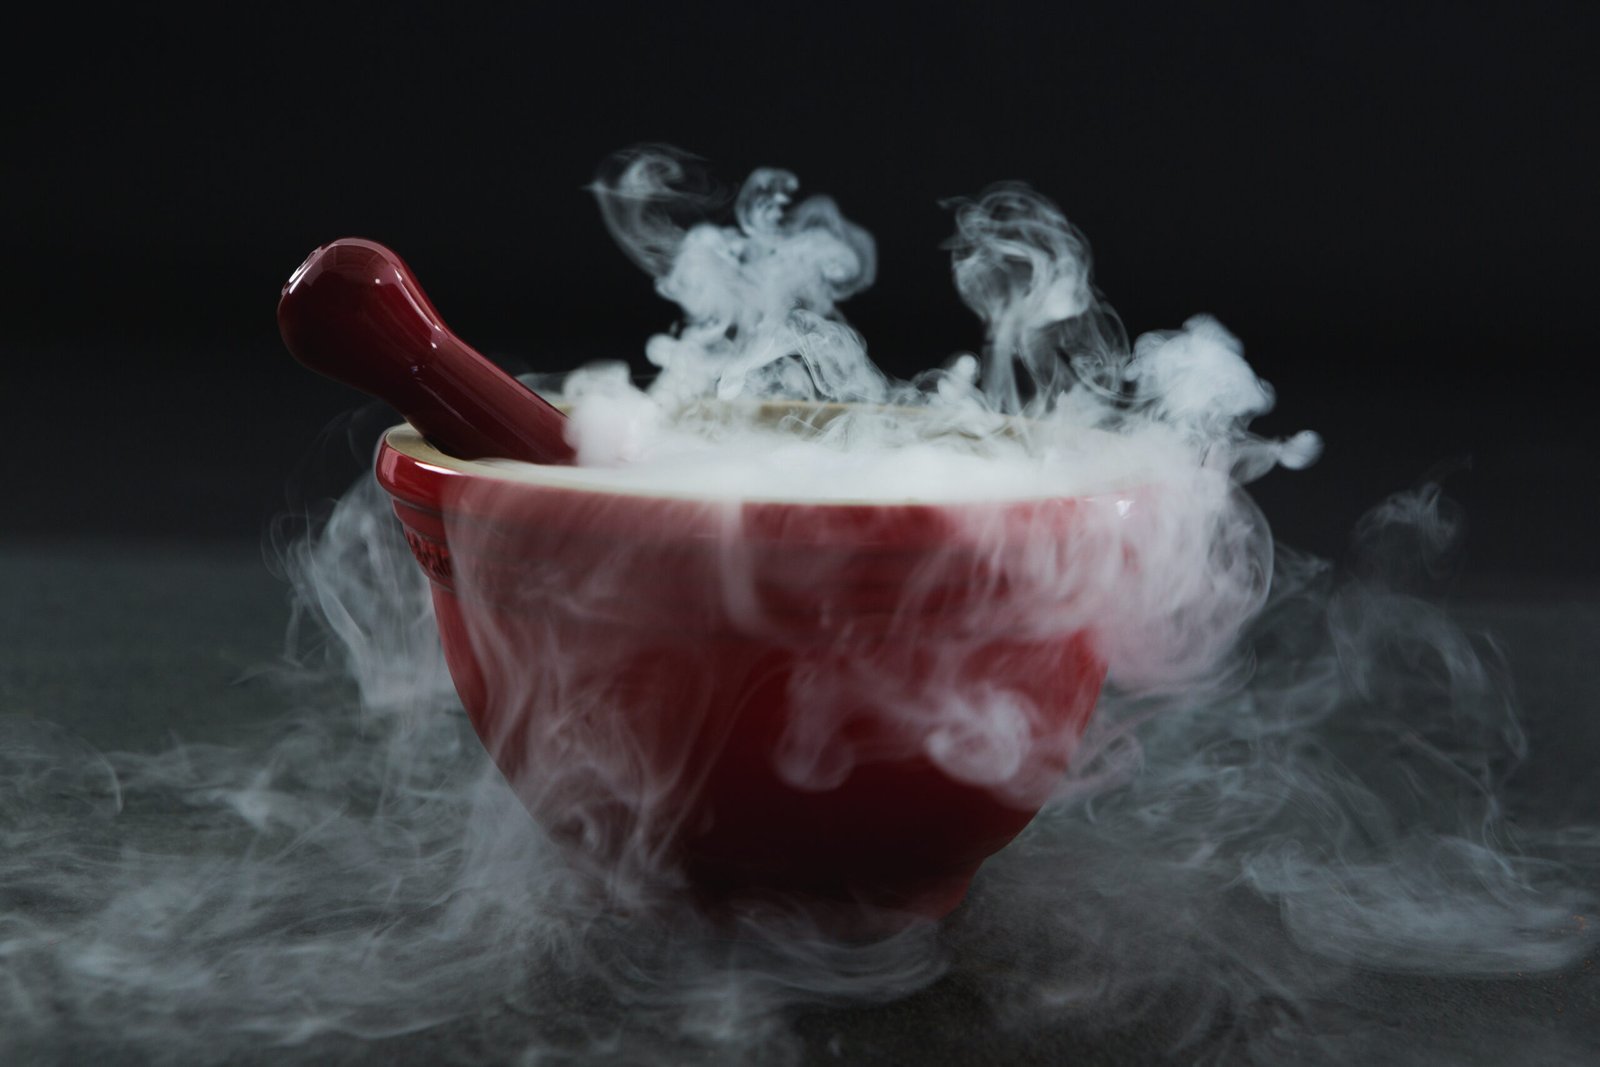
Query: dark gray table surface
{"points": [[170, 887]]}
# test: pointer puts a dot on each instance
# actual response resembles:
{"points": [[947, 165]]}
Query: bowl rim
{"points": [[408, 442]]}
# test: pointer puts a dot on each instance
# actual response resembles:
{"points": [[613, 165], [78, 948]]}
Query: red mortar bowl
{"points": [[851, 704]]}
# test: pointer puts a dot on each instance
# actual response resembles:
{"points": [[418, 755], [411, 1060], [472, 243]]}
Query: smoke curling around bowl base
{"points": [[1228, 873]]}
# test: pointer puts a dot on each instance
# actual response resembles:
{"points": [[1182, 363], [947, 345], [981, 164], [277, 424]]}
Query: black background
{"points": [[1394, 207]]}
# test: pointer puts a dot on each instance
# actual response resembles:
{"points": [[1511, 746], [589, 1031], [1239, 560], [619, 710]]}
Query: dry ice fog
{"points": [[1292, 783]]}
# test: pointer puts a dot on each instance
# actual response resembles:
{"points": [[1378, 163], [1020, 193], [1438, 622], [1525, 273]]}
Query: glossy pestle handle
{"points": [[354, 312]]}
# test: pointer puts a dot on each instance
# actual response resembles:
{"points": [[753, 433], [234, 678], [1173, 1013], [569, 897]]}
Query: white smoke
{"points": [[759, 297], [1058, 406], [1291, 802], [1229, 881]]}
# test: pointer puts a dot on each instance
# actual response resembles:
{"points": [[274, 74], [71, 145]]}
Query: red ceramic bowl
{"points": [[846, 703]]}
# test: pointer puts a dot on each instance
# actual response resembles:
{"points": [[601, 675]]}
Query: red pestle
{"points": [[354, 312]]}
